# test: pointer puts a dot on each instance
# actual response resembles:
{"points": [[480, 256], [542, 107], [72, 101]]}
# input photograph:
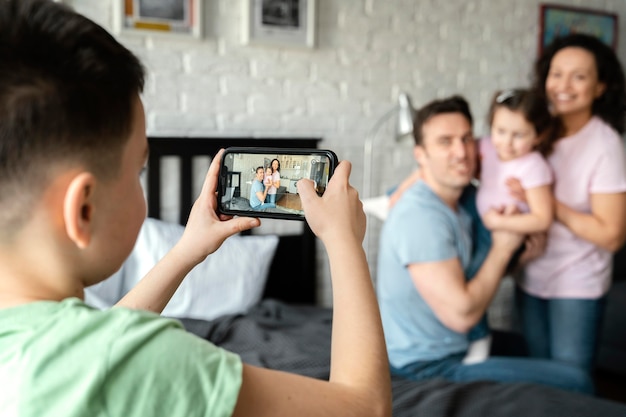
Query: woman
{"points": [[271, 193], [561, 293]]}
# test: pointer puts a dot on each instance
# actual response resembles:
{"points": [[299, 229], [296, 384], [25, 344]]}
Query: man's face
{"points": [[260, 174], [448, 152]]}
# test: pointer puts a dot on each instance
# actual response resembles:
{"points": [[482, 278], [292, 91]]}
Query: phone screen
{"points": [[261, 182]]}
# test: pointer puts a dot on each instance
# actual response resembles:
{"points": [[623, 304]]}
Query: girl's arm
{"points": [[538, 219], [605, 226]]}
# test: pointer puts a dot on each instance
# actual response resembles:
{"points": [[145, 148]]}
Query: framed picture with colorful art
{"points": [[177, 18], [558, 20]]}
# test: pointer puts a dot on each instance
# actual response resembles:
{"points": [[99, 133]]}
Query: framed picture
{"points": [[279, 22], [181, 18], [556, 21]]}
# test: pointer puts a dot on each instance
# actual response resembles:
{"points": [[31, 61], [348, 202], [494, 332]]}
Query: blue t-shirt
{"points": [[420, 228], [256, 187]]}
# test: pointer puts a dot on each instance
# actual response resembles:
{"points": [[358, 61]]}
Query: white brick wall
{"points": [[367, 51]]}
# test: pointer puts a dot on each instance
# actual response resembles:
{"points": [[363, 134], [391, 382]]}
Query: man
{"points": [[427, 303], [259, 190]]}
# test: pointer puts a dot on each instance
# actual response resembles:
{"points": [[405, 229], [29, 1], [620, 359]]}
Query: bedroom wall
{"points": [[367, 52]]}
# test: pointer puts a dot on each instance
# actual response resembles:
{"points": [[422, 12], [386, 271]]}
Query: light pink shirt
{"points": [[273, 178], [592, 161], [532, 170]]}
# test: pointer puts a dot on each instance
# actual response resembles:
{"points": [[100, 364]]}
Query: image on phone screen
{"points": [[263, 182]]}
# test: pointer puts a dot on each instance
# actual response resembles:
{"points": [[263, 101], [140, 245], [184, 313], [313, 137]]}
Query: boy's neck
{"points": [[30, 271]]}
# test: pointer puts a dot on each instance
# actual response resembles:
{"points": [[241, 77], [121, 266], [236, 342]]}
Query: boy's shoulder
{"points": [[103, 356], [72, 318]]}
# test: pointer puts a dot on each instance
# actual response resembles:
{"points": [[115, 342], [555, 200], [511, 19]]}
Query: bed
{"points": [[275, 321]]}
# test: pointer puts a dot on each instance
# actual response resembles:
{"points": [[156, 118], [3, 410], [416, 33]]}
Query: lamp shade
{"points": [[406, 114]]}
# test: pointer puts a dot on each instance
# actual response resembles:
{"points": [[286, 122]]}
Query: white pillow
{"points": [[229, 281], [377, 206]]}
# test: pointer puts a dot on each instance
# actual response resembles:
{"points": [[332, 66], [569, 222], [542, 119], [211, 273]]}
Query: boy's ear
{"points": [[78, 208]]}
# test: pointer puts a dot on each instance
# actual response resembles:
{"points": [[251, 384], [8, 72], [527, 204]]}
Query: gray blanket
{"points": [[297, 339]]}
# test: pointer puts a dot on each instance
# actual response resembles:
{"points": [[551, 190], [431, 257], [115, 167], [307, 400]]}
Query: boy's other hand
{"points": [[338, 214]]}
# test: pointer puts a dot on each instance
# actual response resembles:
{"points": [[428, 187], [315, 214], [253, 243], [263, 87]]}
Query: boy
{"points": [[72, 146]]}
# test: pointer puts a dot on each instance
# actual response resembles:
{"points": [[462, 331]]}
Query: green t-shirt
{"points": [[68, 359]]}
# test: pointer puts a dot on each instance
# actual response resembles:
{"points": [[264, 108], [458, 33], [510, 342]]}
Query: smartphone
{"points": [[261, 182]]}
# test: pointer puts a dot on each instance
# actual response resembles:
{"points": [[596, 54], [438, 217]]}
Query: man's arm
{"points": [[457, 303], [262, 194]]}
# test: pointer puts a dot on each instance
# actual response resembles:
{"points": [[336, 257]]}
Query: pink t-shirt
{"points": [[532, 170], [592, 161], [272, 179]]}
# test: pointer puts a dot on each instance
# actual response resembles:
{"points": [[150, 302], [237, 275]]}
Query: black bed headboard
{"points": [[292, 276]]}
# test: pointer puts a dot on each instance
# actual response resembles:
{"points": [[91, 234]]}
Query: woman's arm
{"points": [[538, 219], [204, 234], [359, 382], [276, 179], [404, 185], [605, 226]]}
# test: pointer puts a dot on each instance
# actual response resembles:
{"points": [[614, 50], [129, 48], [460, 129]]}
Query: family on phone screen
{"points": [[265, 186]]}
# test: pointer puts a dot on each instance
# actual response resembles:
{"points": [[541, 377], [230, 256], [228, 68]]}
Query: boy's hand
{"points": [[205, 231], [338, 214]]}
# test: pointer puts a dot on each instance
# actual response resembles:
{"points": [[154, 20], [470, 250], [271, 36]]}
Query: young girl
{"points": [[267, 179], [522, 133]]}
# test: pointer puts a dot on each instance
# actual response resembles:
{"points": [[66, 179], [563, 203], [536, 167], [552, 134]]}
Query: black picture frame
{"points": [[558, 20]]}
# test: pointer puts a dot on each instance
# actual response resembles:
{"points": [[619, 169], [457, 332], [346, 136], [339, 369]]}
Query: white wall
{"points": [[367, 52]]}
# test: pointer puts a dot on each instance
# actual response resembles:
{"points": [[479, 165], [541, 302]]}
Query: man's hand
{"points": [[534, 246]]}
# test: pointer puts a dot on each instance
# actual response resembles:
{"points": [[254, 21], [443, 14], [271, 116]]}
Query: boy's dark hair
{"points": [[454, 104], [535, 109], [610, 106], [67, 91]]}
